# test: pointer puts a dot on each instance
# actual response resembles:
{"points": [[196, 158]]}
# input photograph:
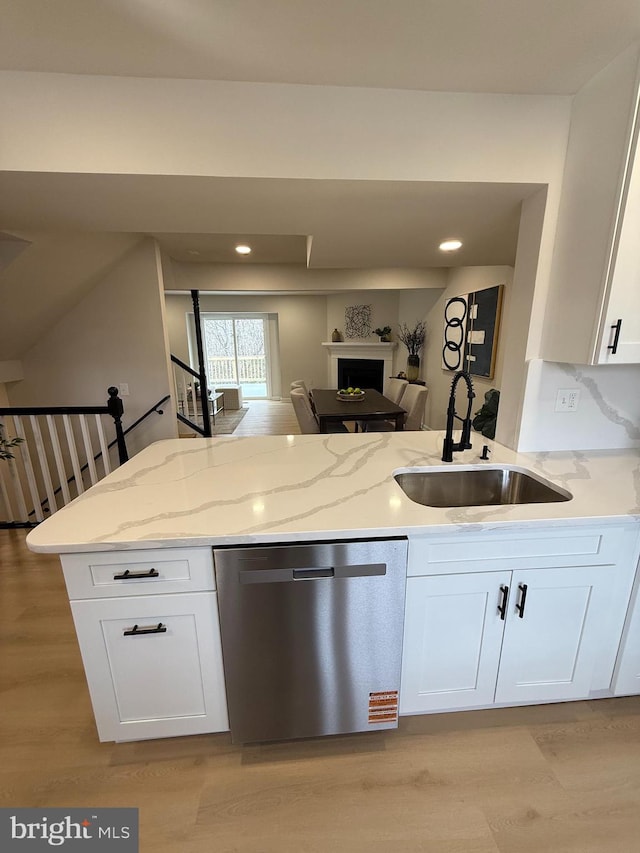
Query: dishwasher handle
{"points": [[251, 576], [312, 574]]}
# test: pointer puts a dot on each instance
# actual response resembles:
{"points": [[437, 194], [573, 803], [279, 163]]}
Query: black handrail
{"points": [[55, 410], [142, 417], [191, 424], [180, 363], [205, 429], [204, 393]]}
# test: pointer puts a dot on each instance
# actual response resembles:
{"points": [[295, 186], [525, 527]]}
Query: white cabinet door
{"points": [[453, 632], [621, 321], [552, 634], [153, 664]]}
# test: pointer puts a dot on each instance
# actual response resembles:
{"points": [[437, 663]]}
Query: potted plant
{"points": [[6, 444], [383, 333], [414, 340]]}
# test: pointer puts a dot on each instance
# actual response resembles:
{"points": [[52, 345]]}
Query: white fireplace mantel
{"points": [[369, 350]]}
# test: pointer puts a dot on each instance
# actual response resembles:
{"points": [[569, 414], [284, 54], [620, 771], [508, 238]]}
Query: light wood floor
{"points": [[268, 417], [560, 778]]}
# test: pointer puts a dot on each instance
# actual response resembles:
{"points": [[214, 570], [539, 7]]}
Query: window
{"points": [[236, 352]]}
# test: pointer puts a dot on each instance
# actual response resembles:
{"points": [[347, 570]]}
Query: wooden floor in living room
{"points": [[559, 778], [268, 417]]}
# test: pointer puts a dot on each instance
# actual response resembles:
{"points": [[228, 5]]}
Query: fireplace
{"points": [[361, 373], [365, 354]]}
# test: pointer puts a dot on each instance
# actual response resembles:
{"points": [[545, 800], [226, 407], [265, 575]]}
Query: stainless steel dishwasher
{"points": [[311, 637]]}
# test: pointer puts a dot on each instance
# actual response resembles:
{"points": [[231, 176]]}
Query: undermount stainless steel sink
{"points": [[489, 485]]}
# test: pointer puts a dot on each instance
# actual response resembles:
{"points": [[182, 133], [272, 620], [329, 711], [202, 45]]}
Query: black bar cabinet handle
{"points": [[131, 576], [502, 607], [154, 629], [523, 598], [616, 335]]}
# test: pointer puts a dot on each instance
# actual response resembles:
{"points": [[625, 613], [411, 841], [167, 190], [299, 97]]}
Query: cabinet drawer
{"points": [[536, 548], [163, 570]]}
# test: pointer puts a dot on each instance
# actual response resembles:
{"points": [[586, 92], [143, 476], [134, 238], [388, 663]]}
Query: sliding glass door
{"points": [[236, 352]]}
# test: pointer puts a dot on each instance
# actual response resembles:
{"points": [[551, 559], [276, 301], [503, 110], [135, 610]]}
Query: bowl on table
{"points": [[350, 396]]}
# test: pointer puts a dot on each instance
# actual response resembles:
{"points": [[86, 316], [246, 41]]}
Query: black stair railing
{"points": [[61, 450]]}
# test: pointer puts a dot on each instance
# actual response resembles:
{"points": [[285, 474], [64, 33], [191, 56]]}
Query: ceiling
{"points": [[510, 46], [518, 46], [353, 224]]}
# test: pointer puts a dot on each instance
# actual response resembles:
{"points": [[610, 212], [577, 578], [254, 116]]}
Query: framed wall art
{"points": [[471, 326], [357, 321]]}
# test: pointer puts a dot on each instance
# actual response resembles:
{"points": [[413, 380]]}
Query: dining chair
{"points": [[299, 383], [414, 399], [395, 389], [304, 413]]}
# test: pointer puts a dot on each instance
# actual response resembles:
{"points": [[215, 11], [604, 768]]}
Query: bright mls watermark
{"points": [[86, 830]]}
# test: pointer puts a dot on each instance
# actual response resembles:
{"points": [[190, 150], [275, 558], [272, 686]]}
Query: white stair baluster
{"points": [[103, 446], [43, 462], [57, 455], [28, 468], [88, 449], [73, 453]]}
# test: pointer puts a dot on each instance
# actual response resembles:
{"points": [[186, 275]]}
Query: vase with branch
{"points": [[414, 340]]}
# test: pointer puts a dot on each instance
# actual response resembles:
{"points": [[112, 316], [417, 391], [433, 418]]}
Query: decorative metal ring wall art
{"points": [[455, 315]]}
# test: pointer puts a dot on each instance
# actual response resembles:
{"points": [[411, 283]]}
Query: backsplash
{"points": [[607, 414]]}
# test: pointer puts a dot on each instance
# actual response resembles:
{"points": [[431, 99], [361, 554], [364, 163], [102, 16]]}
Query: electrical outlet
{"points": [[123, 388], [567, 400]]}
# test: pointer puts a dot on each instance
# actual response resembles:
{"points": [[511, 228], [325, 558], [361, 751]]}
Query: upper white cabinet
{"points": [[593, 310]]}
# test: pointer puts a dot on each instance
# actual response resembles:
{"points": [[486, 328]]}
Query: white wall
{"points": [[384, 311], [74, 123], [110, 125], [302, 325], [523, 325], [114, 334], [294, 278], [608, 413]]}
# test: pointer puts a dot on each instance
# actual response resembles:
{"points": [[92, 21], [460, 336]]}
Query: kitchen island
{"points": [[137, 549]]}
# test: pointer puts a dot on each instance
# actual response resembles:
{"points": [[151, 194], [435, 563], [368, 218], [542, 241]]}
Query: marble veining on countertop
{"points": [[230, 490]]}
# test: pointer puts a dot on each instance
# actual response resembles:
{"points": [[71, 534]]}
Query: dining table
{"points": [[371, 406]]}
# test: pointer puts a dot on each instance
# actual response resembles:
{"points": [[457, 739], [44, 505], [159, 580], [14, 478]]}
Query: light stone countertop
{"points": [[227, 491]]}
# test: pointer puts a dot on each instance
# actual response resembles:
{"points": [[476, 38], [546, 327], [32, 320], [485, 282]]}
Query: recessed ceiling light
{"points": [[450, 245], [243, 250]]}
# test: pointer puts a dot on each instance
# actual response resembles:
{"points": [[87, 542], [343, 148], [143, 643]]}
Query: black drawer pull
{"points": [[154, 629], [132, 576], [502, 607], [614, 346], [523, 598]]}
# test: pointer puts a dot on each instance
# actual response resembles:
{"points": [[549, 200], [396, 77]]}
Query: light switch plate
{"points": [[123, 388]]}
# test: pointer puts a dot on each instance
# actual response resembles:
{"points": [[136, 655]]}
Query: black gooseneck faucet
{"points": [[450, 445]]}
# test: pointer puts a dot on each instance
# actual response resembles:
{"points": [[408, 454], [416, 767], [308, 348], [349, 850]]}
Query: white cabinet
{"points": [[593, 307], [453, 633], [627, 677], [153, 662], [552, 634], [519, 635]]}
